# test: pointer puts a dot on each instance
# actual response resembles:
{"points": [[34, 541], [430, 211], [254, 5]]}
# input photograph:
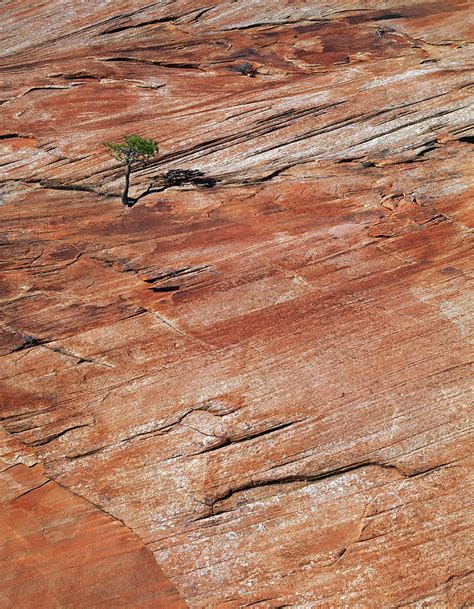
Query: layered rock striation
{"points": [[263, 378]]}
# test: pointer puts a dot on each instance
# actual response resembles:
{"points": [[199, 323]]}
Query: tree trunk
{"points": [[125, 199]]}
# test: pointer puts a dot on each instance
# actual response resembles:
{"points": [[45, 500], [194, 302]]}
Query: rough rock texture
{"points": [[268, 380], [60, 551]]}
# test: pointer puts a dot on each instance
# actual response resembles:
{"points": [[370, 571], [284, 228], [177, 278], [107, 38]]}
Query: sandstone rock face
{"points": [[58, 550], [265, 383]]}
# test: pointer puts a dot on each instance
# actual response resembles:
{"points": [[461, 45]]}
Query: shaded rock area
{"points": [[262, 373]]}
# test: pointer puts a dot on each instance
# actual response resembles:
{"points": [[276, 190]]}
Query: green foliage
{"points": [[135, 148]]}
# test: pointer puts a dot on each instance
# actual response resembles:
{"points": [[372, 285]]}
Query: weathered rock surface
{"points": [[268, 381], [58, 550]]}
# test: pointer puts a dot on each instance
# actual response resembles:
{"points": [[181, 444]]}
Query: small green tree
{"points": [[135, 149]]}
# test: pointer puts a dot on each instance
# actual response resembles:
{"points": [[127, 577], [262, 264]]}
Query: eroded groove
{"points": [[325, 475], [299, 20], [135, 26], [53, 185], [178, 273], [216, 144], [157, 21], [88, 453], [9, 136], [57, 186], [184, 66], [360, 118], [168, 288], [29, 342], [229, 440], [31, 490], [48, 439], [310, 479]]}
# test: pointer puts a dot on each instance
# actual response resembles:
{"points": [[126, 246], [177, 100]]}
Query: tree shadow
{"points": [[175, 177]]}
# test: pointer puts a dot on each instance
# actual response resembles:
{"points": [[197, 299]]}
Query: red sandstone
{"points": [[257, 394]]}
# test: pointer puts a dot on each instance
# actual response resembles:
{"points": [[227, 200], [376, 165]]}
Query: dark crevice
{"points": [[79, 75], [384, 235], [429, 146], [220, 444], [28, 342], [9, 136], [178, 273], [259, 434], [227, 441], [53, 185], [51, 88], [80, 187], [85, 454], [275, 173], [158, 20], [52, 437], [139, 311], [122, 28], [168, 288], [386, 16], [30, 490], [80, 359], [260, 600], [353, 159], [164, 429], [252, 484], [436, 219], [184, 66], [263, 25], [310, 478], [270, 25]]}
